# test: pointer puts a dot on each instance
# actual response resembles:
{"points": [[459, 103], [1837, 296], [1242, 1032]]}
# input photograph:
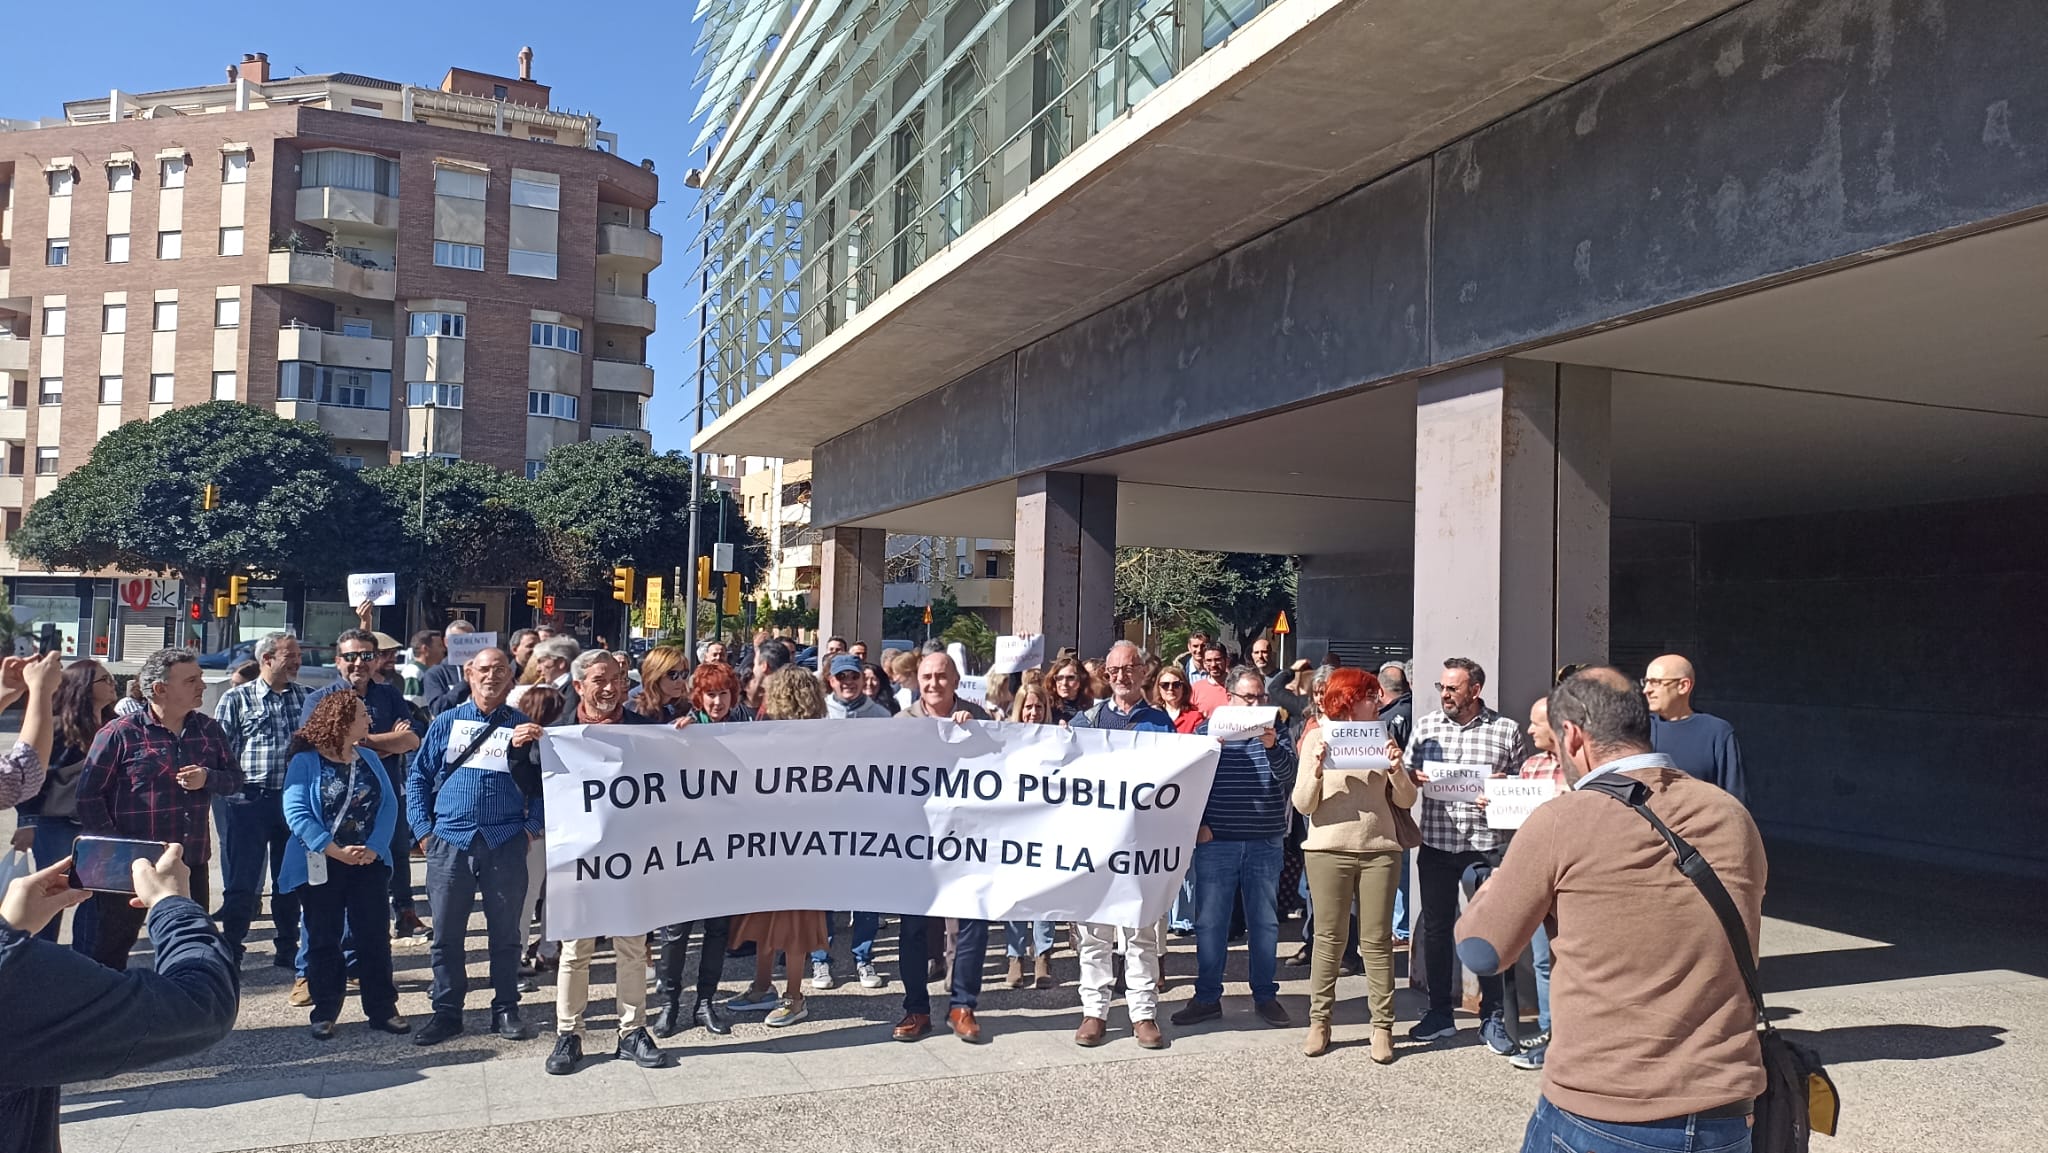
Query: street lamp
{"points": [[426, 455]]}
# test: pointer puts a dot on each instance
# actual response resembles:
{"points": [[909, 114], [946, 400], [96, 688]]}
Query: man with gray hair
{"points": [[552, 659], [150, 776], [259, 719]]}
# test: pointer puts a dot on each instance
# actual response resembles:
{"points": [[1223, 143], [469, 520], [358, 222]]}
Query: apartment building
{"points": [[390, 261]]}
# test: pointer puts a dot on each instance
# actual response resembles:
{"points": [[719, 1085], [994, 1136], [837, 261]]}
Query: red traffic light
{"points": [[547, 605], [197, 609]]}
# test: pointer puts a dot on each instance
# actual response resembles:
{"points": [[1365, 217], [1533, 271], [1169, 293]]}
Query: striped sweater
{"points": [[1251, 798]]}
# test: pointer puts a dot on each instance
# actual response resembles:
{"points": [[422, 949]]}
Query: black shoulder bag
{"points": [[450, 764], [1799, 1097]]}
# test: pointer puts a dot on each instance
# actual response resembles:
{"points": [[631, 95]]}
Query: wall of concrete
{"points": [[1353, 600]]}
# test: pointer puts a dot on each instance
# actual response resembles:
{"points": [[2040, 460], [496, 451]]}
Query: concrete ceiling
{"points": [[1309, 100], [1916, 379]]}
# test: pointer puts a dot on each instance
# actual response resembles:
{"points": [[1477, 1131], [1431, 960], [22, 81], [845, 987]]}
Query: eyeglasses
{"points": [[351, 658], [1120, 670], [1165, 685], [1662, 680], [1444, 688], [1068, 677], [1251, 698]]}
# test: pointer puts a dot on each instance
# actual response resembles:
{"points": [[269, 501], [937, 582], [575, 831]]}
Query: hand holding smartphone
{"points": [[107, 864]]}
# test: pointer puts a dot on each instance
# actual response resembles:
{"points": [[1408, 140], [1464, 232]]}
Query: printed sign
{"points": [[379, 588], [1015, 654], [140, 594], [1357, 746], [1448, 782], [462, 646], [973, 689], [1510, 800], [1242, 722], [493, 756]]}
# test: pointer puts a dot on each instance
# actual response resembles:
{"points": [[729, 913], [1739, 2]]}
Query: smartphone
{"points": [[107, 864]]}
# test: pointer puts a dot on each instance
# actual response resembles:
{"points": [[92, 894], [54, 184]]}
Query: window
{"points": [[536, 264], [61, 181], [231, 242], [966, 567], [561, 406], [994, 568], [223, 386], [334, 168], [439, 395], [165, 318], [351, 463], [53, 321], [169, 245], [46, 460], [162, 386], [227, 312], [113, 318], [532, 469], [355, 328], [558, 336], [498, 92], [339, 387], [535, 194], [234, 168], [117, 248], [456, 182], [614, 409], [121, 178], [437, 324], [52, 391], [448, 254], [110, 390], [59, 252], [172, 171]]}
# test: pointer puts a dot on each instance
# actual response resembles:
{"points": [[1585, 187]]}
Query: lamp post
{"points": [[426, 455]]}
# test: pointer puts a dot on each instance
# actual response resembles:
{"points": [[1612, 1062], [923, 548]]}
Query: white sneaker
{"points": [[870, 978], [821, 975]]}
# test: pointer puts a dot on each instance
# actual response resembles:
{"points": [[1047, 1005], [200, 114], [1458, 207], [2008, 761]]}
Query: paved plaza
{"points": [[1927, 992]]}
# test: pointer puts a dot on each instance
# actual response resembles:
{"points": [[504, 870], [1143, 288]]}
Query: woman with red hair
{"points": [[714, 699], [1354, 849]]}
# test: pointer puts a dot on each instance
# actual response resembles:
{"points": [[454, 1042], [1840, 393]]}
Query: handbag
{"points": [[1799, 1098], [1407, 833]]}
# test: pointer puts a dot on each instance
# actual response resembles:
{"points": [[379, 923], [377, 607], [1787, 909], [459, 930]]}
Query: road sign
{"points": [[1281, 627]]}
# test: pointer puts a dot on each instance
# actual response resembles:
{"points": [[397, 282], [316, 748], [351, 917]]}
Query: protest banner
{"points": [[1510, 800], [987, 821], [1357, 746], [1241, 722], [462, 646], [1448, 782], [379, 588], [1015, 654]]}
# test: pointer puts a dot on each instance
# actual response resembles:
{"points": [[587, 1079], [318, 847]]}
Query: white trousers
{"points": [[572, 982], [1143, 949]]}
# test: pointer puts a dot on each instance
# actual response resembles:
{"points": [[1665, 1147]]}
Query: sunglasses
{"points": [[1164, 685], [674, 675], [351, 658]]}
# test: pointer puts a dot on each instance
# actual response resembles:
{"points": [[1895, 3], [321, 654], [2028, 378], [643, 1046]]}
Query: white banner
{"points": [[1242, 722], [650, 825], [1448, 782]]}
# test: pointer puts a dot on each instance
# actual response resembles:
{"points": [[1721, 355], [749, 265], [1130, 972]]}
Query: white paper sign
{"points": [[1510, 800], [379, 588], [1357, 746], [462, 646], [1448, 782], [973, 689], [648, 825], [1242, 722], [958, 652], [493, 756], [1015, 654]]}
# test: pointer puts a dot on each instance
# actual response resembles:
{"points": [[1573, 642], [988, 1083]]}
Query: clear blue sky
{"points": [[633, 68]]}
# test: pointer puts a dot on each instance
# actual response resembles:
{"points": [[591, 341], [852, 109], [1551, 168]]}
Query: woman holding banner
{"points": [[715, 699], [791, 694], [664, 691], [1356, 839]]}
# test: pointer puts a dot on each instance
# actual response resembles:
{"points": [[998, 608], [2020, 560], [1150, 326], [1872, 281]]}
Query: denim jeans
{"points": [[402, 841], [1552, 1129], [454, 875], [352, 897], [1442, 874], [1222, 870], [865, 926], [54, 836], [1014, 933], [252, 831], [1539, 945], [913, 947]]}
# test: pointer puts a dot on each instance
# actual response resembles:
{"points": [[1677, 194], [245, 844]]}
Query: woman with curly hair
{"points": [[342, 810], [791, 694]]}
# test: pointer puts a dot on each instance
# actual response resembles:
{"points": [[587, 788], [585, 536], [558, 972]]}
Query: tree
{"points": [[625, 505], [906, 622], [479, 530], [285, 509], [1251, 590], [1164, 587], [972, 633]]}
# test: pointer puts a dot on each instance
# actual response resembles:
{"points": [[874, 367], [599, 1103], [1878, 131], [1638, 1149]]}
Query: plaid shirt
{"points": [[260, 721], [1490, 740], [129, 786]]}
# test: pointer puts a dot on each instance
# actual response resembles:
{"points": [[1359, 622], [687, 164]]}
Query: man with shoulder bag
{"points": [[1653, 906]]}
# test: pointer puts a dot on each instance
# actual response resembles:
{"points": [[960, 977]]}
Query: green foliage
{"points": [[626, 505], [907, 621], [971, 632], [1180, 591], [1250, 592], [478, 530]]}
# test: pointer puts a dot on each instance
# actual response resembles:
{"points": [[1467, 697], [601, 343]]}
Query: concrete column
{"points": [[851, 584], [1066, 560], [1511, 524]]}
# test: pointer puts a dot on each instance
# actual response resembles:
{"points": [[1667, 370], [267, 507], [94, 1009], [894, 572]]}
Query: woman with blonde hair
{"points": [[791, 694], [664, 691], [1032, 706]]}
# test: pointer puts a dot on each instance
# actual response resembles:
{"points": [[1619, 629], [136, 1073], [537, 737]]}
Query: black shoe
{"points": [[1196, 1012], [1273, 1013], [706, 1014], [567, 1055], [323, 1030], [1351, 966], [636, 1046], [671, 1020], [286, 958], [506, 1023], [438, 1030], [392, 1024], [1301, 957], [746, 950]]}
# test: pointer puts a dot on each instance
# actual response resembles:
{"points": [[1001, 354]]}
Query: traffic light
{"points": [[238, 591], [703, 578], [198, 609], [536, 594], [731, 606], [209, 497], [547, 605], [222, 606], [622, 584]]}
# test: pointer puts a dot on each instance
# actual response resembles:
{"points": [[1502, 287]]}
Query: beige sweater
{"points": [[1347, 811]]}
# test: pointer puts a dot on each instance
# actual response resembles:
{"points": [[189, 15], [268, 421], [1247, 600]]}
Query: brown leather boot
{"points": [[912, 1027], [1016, 977], [1382, 1045], [1318, 1042], [964, 1025], [1092, 1032], [1041, 972]]}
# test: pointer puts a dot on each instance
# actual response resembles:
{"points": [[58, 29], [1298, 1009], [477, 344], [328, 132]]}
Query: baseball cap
{"points": [[845, 663]]}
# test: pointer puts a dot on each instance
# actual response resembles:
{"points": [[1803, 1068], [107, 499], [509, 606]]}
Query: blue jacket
{"points": [[309, 824]]}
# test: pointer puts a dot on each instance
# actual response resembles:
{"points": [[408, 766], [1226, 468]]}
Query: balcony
{"points": [[330, 208], [13, 354], [983, 593], [14, 424], [602, 432], [622, 376], [341, 422], [6, 282], [298, 342], [330, 277], [624, 311], [637, 248]]}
